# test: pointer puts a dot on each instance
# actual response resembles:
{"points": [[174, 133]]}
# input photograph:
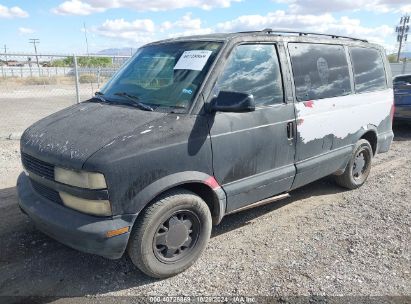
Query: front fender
{"points": [[150, 192]]}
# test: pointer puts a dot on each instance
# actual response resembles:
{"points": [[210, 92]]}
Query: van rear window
{"points": [[369, 73], [320, 70]]}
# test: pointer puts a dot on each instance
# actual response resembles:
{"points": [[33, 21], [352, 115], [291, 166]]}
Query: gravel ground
{"points": [[32, 103], [320, 241]]}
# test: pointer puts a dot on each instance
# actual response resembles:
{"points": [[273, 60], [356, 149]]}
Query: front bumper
{"points": [[77, 230], [402, 112]]}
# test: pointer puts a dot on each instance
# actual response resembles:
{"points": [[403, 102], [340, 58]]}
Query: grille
{"points": [[46, 192], [37, 166]]}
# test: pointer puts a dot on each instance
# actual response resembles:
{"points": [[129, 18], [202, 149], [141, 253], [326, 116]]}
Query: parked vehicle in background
{"points": [[194, 128], [402, 98]]}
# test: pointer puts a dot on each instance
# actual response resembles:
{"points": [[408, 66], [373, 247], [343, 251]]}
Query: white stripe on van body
{"points": [[342, 115]]}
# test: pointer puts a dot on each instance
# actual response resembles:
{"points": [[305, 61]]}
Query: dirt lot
{"points": [[321, 241], [25, 104]]}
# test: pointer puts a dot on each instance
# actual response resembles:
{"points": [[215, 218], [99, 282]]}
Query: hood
{"points": [[69, 137]]}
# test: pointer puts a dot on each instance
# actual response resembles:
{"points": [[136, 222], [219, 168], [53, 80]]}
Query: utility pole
{"points": [[35, 42], [402, 33], [5, 53]]}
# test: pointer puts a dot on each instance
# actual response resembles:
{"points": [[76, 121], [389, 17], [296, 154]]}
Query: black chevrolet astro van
{"points": [[194, 128]]}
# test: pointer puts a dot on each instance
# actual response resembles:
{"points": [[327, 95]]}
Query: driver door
{"points": [[253, 152]]}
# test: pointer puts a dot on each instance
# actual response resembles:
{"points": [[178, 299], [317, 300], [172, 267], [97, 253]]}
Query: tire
{"points": [[355, 176], [161, 244]]}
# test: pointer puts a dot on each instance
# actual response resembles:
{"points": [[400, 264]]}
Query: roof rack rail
{"points": [[270, 31]]}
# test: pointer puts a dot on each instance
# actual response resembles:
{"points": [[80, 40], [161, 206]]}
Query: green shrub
{"points": [[87, 78], [39, 80], [83, 61]]}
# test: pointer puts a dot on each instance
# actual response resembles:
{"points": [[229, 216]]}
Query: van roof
{"points": [[264, 32]]}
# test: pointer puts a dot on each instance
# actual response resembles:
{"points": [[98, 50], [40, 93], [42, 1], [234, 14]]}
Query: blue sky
{"points": [[126, 23]]}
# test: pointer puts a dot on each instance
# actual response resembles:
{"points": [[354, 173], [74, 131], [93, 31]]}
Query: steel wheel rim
{"points": [[176, 237], [361, 164]]}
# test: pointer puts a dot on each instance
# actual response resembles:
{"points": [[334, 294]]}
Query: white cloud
{"points": [[324, 23], [142, 31], [200, 31], [120, 25], [278, 19], [87, 7], [12, 12], [406, 8], [76, 7], [137, 31], [131, 38], [25, 30], [186, 22], [145, 30], [325, 6]]}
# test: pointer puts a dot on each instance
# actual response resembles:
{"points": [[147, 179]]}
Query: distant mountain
{"points": [[405, 54], [393, 56], [117, 52]]}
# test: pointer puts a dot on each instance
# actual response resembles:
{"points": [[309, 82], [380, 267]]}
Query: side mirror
{"points": [[232, 102]]}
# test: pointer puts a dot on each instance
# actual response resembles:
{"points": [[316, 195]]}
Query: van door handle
{"points": [[290, 130]]}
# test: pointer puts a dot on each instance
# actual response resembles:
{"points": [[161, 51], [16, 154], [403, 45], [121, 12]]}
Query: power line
{"points": [[402, 33]]}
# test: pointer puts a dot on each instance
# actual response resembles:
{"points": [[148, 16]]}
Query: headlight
{"points": [[95, 207], [80, 178]]}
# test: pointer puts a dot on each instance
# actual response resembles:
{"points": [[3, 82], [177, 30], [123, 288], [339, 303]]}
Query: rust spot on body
{"points": [[309, 103]]}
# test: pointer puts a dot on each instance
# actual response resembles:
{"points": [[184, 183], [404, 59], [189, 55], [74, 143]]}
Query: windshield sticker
{"points": [[193, 60]]}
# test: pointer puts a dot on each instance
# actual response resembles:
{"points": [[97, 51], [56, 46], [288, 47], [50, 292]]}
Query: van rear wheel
{"points": [[171, 234], [358, 168]]}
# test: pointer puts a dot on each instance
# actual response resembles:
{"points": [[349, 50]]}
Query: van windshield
{"points": [[163, 76]]}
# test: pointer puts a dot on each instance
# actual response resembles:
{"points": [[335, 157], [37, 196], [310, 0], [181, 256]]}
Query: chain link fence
{"points": [[69, 76], [401, 68], [34, 86]]}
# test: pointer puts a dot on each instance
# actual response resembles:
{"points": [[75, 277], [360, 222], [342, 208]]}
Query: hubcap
{"points": [[177, 236]]}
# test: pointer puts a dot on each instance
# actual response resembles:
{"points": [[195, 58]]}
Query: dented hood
{"points": [[69, 137]]}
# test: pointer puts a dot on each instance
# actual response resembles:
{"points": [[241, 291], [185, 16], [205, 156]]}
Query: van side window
{"points": [[253, 69], [369, 73], [320, 70]]}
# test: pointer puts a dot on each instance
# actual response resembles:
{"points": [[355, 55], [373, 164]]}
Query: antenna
{"points": [[402, 33], [85, 36]]}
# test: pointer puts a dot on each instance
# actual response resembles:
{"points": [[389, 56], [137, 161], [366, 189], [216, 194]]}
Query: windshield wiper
{"points": [[99, 96], [135, 100]]}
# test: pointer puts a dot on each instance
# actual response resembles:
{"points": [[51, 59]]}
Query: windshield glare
{"points": [[164, 75]]}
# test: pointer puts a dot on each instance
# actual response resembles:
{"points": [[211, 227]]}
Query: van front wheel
{"points": [[358, 168], [171, 234]]}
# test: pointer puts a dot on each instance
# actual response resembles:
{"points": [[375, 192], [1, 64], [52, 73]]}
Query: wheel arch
{"points": [[371, 136], [199, 183], [368, 133]]}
